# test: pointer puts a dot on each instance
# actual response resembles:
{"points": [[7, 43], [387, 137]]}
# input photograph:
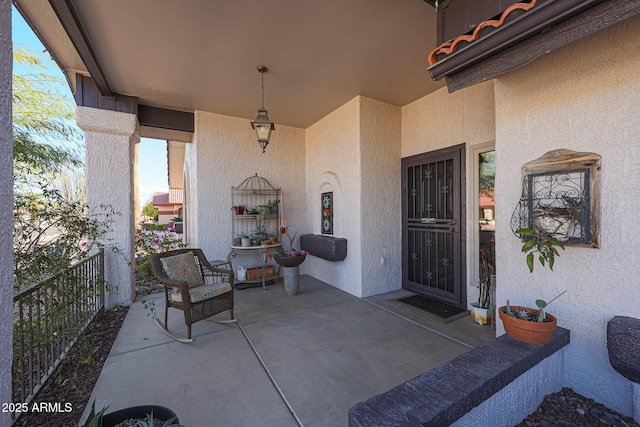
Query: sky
{"points": [[152, 154]]}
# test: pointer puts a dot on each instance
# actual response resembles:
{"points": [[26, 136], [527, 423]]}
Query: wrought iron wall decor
{"points": [[560, 195], [327, 213]]}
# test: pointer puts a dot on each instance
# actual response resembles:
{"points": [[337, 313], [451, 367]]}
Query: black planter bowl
{"points": [[290, 261], [138, 413]]}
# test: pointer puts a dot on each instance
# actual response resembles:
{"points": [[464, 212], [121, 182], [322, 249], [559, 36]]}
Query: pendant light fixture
{"points": [[261, 124]]}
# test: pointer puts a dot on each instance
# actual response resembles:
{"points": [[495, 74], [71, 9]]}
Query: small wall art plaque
{"points": [[326, 207]]}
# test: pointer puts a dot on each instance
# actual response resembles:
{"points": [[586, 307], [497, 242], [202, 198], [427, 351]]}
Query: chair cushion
{"points": [[183, 267], [200, 293]]}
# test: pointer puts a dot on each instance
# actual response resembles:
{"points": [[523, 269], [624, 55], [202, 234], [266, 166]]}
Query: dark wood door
{"points": [[433, 225]]}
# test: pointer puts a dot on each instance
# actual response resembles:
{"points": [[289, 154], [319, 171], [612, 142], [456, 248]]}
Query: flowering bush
{"points": [[151, 240], [52, 232], [289, 254]]}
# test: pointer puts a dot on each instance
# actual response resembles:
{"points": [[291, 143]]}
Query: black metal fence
{"points": [[49, 316]]}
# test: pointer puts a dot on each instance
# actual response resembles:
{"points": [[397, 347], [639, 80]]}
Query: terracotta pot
{"points": [[524, 330], [289, 261]]}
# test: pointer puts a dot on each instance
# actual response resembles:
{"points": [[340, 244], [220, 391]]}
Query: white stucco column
{"points": [[6, 210], [110, 139]]}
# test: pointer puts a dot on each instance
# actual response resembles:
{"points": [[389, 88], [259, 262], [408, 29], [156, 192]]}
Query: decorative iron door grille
{"points": [[432, 250]]}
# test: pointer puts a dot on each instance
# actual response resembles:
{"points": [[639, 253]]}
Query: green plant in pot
{"points": [[481, 309], [529, 324], [549, 230]]}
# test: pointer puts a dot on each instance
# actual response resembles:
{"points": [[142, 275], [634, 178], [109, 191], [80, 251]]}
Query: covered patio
{"points": [[302, 360]]}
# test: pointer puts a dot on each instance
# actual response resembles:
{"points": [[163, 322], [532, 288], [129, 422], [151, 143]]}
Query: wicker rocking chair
{"points": [[192, 285]]}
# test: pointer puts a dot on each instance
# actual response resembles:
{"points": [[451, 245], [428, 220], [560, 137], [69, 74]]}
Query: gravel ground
{"points": [[568, 408]]}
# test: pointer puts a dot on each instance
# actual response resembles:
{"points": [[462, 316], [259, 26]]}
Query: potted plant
{"points": [[245, 240], [550, 228], [260, 233], [529, 324], [144, 416], [481, 310], [290, 262], [238, 210], [273, 206]]}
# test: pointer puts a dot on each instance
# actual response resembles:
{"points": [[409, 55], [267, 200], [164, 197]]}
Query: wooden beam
{"points": [[88, 95], [598, 17], [73, 27], [165, 119]]}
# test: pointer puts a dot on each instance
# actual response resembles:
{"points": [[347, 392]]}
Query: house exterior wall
{"points": [[381, 225], [333, 164], [223, 153], [583, 97], [6, 210], [443, 119]]}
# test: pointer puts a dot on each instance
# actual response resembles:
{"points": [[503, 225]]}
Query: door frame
{"points": [[462, 230]]}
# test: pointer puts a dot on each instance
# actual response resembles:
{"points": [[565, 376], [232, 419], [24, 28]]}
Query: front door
{"points": [[433, 225]]}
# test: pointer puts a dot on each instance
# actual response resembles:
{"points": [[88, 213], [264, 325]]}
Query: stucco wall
{"points": [[110, 139], [443, 119], [582, 97], [381, 225], [6, 216], [225, 151], [333, 164]]}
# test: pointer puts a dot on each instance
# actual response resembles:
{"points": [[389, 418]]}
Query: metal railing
{"points": [[49, 316]]}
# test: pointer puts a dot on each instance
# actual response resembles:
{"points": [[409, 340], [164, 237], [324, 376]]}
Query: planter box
{"points": [[256, 273], [482, 316]]}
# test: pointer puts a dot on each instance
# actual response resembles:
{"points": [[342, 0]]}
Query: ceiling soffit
{"points": [[202, 55]]}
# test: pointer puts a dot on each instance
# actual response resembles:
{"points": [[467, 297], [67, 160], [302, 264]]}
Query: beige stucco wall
{"points": [[6, 211], [223, 153], [444, 119], [381, 225], [333, 164], [354, 152], [582, 97], [110, 140]]}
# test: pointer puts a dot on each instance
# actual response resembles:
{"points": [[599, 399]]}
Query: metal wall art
{"points": [[327, 213], [560, 197]]}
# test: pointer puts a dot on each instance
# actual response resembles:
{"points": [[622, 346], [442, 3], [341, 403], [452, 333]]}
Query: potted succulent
{"points": [[143, 416], [549, 230], [273, 206], [530, 325], [245, 240]]}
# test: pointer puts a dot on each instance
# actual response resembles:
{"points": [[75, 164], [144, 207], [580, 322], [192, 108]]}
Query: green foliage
{"points": [[43, 118], [94, 419], [148, 210], [538, 241], [150, 422], [51, 233]]}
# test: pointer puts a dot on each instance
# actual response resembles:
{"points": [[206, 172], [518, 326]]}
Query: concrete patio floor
{"points": [[302, 360]]}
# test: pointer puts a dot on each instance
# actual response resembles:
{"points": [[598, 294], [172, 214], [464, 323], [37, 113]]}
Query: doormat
{"points": [[436, 309]]}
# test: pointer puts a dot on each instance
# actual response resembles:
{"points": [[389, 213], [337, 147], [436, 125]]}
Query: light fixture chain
{"points": [[262, 75]]}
